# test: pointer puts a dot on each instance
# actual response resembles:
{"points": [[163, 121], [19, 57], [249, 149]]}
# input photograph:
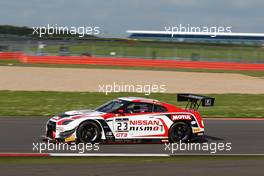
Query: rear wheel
{"points": [[89, 132], [180, 131]]}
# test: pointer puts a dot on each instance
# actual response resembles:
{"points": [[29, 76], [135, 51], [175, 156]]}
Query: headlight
{"points": [[66, 122], [59, 129]]}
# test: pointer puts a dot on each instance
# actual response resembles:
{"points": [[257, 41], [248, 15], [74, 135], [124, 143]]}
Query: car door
{"points": [[138, 121]]}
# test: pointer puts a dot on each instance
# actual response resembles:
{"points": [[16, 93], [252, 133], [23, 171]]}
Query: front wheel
{"points": [[89, 132], [180, 131]]}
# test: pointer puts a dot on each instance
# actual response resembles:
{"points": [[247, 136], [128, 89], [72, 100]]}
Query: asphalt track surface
{"points": [[18, 134], [219, 167]]}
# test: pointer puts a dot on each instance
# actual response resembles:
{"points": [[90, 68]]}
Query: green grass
{"points": [[13, 62], [44, 103]]}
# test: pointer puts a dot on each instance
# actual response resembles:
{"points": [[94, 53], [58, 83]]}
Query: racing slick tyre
{"points": [[89, 132], [180, 131]]}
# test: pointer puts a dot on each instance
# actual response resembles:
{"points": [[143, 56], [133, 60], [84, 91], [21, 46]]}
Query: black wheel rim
{"points": [[181, 132], [89, 133]]}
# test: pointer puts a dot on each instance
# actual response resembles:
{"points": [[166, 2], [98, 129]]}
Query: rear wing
{"points": [[195, 101]]}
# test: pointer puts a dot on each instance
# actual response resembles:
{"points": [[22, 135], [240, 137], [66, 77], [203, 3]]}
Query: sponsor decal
{"points": [[145, 125], [146, 128], [197, 130], [70, 139], [207, 102], [181, 117], [125, 125], [144, 122], [121, 134]]}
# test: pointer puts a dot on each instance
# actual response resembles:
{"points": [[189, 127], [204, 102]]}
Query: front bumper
{"points": [[48, 139], [54, 135], [58, 140]]}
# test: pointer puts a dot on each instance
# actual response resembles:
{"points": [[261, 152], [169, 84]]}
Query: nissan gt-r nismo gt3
{"points": [[130, 118]]}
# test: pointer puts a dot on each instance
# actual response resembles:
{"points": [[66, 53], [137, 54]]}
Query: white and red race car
{"points": [[131, 119]]}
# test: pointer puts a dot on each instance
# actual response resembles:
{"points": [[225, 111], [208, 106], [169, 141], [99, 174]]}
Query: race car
{"points": [[131, 119]]}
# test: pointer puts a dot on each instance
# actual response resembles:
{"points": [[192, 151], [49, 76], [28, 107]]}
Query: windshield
{"points": [[111, 106]]}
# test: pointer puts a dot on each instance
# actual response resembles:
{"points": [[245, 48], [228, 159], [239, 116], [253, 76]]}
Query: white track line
{"points": [[109, 154], [224, 154], [117, 155]]}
